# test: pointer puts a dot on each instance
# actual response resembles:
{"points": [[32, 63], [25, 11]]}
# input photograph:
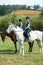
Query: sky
{"points": [[22, 2]]}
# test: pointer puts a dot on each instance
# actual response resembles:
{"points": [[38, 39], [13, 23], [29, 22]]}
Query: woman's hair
{"points": [[12, 21], [27, 17], [20, 20]]}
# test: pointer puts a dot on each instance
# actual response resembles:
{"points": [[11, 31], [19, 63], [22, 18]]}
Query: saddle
{"points": [[28, 35]]}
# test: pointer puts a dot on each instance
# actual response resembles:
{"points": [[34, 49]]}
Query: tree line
{"points": [[6, 9]]}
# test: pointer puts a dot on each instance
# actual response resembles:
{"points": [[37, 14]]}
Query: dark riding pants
{"points": [[26, 32]]}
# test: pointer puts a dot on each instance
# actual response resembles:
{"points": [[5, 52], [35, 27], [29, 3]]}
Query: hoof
{"points": [[23, 54], [15, 52], [29, 51]]}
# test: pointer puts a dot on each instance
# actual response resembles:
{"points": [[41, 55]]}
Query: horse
{"points": [[34, 35], [12, 36]]}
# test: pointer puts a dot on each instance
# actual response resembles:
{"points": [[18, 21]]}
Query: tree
{"points": [[2, 10], [36, 7], [41, 13], [28, 8]]}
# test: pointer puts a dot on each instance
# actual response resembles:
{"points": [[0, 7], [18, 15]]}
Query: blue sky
{"points": [[23, 2]]}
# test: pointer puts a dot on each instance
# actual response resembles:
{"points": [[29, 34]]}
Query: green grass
{"points": [[7, 56]]}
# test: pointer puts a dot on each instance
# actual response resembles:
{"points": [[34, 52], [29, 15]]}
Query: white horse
{"points": [[34, 35]]}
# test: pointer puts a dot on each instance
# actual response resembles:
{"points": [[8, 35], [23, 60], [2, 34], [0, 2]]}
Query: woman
{"points": [[27, 29], [20, 23]]}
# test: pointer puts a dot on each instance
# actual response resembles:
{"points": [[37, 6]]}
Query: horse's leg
{"points": [[41, 50], [30, 46], [13, 38], [15, 47], [41, 46], [21, 47]]}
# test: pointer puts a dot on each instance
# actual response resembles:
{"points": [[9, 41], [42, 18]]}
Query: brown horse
{"points": [[13, 38]]}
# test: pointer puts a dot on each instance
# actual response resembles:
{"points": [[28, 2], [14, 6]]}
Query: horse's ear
{"points": [[15, 25]]}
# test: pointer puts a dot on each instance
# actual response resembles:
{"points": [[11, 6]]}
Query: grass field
{"points": [[7, 56], [26, 12]]}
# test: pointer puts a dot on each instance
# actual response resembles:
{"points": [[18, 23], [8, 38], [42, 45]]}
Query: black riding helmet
{"points": [[27, 17], [20, 20]]}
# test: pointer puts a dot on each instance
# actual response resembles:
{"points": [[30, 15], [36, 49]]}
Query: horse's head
{"points": [[11, 27], [3, 36]]}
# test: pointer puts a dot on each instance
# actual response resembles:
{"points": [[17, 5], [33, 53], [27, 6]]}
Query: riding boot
{"points": [[28, 34], [27, 37]]}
